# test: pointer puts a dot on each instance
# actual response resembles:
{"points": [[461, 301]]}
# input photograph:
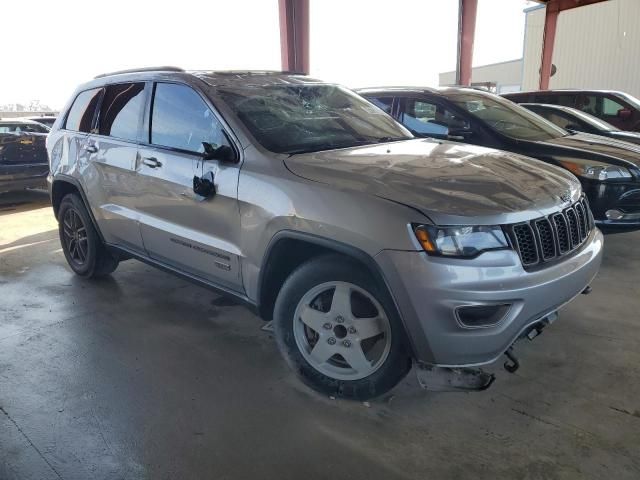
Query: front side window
{"points": [[181, 119], [81, 113], [307, 118], [506, 117], [427, 118], [121, 110]]}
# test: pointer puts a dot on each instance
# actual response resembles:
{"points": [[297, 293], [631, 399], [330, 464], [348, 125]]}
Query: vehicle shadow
{"points": [[23, 201]]}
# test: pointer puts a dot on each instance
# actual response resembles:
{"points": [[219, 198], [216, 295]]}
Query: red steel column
{"points": [[549, 38], [467, 11], [294, 35]]}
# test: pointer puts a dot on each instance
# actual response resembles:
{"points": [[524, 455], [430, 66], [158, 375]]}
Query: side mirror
{"points": [[223, 153], [624, 113], [572, 127]]}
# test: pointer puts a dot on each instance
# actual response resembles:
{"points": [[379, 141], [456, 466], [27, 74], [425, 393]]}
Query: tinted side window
{"points": [[590, 104], [429, 118], [383, 103], [610, 107], [81, 113], [181, 119], [121, 110]]}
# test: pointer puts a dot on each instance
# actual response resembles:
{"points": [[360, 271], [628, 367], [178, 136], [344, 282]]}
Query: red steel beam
{"points": [[554, 7], [548, 40], [467, 12], [294, 35]]}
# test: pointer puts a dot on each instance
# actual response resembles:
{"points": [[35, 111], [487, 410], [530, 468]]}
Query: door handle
{"points": [[91, 148], [151, 162]]}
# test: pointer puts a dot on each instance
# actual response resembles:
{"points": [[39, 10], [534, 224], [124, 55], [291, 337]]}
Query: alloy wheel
{"points": [[342, 331], [75, 237]]}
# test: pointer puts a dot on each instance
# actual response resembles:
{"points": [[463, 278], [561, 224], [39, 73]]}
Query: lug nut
{"points": [[346, 343], [327, 326], [331, 341], [352, 329], [339, 319]]}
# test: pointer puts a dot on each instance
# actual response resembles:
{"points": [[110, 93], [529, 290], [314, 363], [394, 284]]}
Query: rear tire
{"points": [[339, 330], [85, 253]]}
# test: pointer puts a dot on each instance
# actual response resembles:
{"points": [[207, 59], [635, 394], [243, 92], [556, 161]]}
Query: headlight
{"points": [[589, 169], [464, 242]]}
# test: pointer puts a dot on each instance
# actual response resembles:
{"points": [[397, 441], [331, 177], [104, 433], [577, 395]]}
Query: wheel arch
{"points": [[63, 185], [290, 249]]}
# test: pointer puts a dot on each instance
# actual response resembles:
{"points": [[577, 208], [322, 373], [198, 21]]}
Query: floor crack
{"points": [[6, 414]]}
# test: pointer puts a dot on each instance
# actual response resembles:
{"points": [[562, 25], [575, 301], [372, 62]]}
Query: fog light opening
{"points": [[478, 316], [614, 214]]}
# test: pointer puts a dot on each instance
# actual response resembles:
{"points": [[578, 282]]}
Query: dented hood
{"points": [[451, 183]]}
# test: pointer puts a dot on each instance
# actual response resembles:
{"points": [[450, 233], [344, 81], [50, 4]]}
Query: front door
{"points": [[180, 229]]}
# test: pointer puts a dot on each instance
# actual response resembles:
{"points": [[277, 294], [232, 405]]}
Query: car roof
{"points": [[212, 78], [432, 90], [562, 90], [22, 120]]}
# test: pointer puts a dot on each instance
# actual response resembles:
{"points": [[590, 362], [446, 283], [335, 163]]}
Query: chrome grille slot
{"points": [[526, 242], [545, 239], [582, 221], [572, 220], [562, 231]]}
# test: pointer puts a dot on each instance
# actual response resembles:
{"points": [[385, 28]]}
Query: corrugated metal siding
{"points": [[503, 73], [533, 36], [597, 46]]}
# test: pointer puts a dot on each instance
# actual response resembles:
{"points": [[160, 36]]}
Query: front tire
{"points": [[338, 330], [85, 253]]}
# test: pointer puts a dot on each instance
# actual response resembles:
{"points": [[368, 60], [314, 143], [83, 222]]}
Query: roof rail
{"points": [[142, 69]]}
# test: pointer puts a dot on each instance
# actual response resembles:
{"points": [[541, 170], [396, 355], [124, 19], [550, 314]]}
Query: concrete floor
{"points": [[142, 375]]}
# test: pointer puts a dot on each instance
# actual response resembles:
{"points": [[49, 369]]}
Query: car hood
{"points": [[449, 182], [597, 144]]}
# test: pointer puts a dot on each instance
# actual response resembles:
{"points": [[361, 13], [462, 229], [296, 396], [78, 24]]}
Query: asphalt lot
{"points": [[142, 375]]}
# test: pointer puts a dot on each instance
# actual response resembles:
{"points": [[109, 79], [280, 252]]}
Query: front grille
{"points": [[544, 239]]}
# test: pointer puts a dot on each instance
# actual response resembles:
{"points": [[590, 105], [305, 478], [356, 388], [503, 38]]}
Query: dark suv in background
{"points": [[608, 170], [617, 108], [23, 155]]}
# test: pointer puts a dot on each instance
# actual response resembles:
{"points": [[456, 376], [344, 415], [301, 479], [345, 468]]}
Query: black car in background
{"points": [[617, 108], [23, 156], [578, 121], [609, 170]]}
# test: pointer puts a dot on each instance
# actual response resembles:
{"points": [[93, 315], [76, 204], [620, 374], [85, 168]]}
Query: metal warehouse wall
{"points": [[597, 46], [504, 74]]}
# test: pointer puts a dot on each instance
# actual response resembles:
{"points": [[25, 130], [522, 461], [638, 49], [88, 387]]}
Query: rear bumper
{"points": [[8, 185], [429, 290]]}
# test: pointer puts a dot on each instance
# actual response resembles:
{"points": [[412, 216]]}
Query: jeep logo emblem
{"points": [[566, 196]]}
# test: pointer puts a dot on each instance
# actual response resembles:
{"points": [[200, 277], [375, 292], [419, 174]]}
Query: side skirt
{"points": [[125, 253]]}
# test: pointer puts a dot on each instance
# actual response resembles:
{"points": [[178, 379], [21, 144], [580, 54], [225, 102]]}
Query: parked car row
{"points": [[609, 170], [370, 248]]}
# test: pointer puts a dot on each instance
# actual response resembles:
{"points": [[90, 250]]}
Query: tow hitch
{"points": [[512, 364], [442, 379]]}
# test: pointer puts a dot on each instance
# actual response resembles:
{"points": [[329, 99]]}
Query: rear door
{"points": [[110, 177], [196, 235]]}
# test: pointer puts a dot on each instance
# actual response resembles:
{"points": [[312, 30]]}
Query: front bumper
{"points": [[620, 198], [428, 291]]}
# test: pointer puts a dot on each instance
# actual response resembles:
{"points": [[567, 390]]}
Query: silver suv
{"points": [[368, 249]]}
